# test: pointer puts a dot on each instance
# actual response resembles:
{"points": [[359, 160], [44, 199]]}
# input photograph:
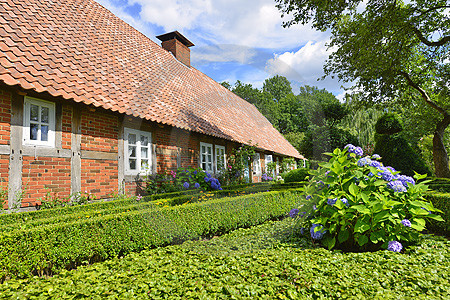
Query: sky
{"points": [[236, 39]]}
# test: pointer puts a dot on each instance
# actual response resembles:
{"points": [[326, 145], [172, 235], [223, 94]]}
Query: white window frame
{"points": [[268, 158], [257, 164], [217, 155], [138, 133], [28, 101], [208, 165]]}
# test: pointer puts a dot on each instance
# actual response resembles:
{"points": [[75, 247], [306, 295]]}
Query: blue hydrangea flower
{"points": [[308, 197], [406, 223], [314, 207], [345, 201], [195, 172], [317, 235], [353, 149], [397, 186], [208, 175], [206, 179], [387, 175], [350, 148], [375, 164], [405, 179], [197, 185], [364, 161], [391, 169], [331, 201], [186, 185], [376, 156], [394, 246], [293, 213]]}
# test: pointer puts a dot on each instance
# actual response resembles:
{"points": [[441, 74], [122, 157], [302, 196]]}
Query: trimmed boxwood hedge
{"points": [[45, 250], [440, 201], [296, 175]]}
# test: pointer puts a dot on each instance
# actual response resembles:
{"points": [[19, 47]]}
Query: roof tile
{"points": [[79, 50]]}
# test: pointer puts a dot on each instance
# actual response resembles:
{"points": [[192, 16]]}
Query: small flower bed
{"points": [[357, 204], [182, 179]]}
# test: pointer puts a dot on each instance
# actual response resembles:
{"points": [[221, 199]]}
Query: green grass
{"points": [[263, 262]]}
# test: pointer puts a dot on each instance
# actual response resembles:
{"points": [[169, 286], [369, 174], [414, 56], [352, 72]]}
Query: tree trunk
{"points": [[440, 156]]}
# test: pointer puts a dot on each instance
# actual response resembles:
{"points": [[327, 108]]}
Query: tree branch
{"points": [[424, 40], [424, 95]]}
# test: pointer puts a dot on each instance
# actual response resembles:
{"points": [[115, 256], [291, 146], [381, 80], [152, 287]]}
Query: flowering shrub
{"points": [[357, 204], [182, 179], [266, 177]]}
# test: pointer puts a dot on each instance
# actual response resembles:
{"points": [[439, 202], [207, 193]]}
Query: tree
{"points": [[278, 86], [387, 48]]}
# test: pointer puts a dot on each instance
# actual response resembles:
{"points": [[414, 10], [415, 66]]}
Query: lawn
{"points": [[262, 262]]}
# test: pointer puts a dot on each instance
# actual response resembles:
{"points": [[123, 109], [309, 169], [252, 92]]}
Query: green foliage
{"points": [[396, 152], [425, 146], [388, 124], [286, 164], [297, 175], [53, 247], [319, 140], [440, 201], [255, 263], [239, 161], [388, 50], [357, 210]]}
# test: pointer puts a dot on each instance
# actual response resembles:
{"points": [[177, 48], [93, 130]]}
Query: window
{"points": [[39, 122], [206, 157], [257, 164], [220, 158], [137, 152], [267, 159]]}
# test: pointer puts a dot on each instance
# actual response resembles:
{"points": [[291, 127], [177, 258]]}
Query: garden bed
{"points": [[263, 262]]}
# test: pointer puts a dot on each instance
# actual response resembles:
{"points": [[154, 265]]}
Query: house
{"points": [[88, 103]]}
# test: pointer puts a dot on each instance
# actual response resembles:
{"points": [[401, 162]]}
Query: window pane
{"points": [[144, 153], [144, 165], [131, 151], [203, 149], [44, 132], [144, 141], [132, 139], [204, 166], [209, 150], [44, 114], [209, 159], [34, 132], [132, 164], [34, 112]]}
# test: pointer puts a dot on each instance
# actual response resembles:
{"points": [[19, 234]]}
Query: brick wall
{"points": [[42, 174], [4, 175], [99, 177], [5, 117], [99, 131]]}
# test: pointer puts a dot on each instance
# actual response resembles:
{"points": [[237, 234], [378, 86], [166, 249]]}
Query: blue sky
{"points": [[235, 39]]}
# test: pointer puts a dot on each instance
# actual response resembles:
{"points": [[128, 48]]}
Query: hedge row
{"points": [[49, 249], [440, 201], [170, 199]]}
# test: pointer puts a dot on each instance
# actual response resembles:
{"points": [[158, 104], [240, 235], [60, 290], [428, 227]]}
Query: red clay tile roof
{"points": [[79, 50]]}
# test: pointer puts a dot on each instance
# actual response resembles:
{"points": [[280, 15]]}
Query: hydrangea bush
{"points": [[358, 204]]}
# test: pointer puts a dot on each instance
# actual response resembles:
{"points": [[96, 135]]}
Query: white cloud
{"points": [[305, 66], [223, 53], [251, 23]]}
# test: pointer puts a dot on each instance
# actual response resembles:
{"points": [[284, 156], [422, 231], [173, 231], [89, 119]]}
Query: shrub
{"points": [[45, 250], [297, 175], [388, 124], [357, 204], [396, 152], [440, 201]]}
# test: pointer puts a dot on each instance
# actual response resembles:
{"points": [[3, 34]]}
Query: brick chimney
{"points": [[176, 43]]}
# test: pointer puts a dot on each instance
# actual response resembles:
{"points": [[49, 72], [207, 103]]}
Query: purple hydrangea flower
{"points": [[345, 201], [394, 246], [397, 186], [197, 185], [358, 151], [308, 197], [387, 175], [331, 201], [375, 164], [314, 207], [353, 149], [186, 185], [376, 156], [293, 213], [364, 161], [195, 172], [406, 223], [350, 147], [317, 235], [206, 179], [405, 179]]}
